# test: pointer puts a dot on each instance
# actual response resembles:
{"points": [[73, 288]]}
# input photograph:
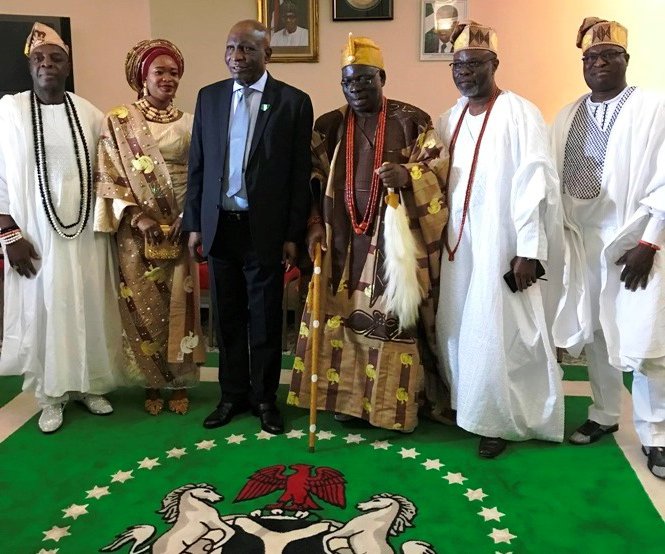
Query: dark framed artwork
{"points": [[345, 10], [294, 29], [14, 30]]}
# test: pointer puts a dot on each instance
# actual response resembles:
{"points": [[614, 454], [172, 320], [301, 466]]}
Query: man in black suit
{"points": [[247, 205]]}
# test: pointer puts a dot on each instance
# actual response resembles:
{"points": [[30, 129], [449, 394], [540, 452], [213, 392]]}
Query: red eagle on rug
{"points": [[327, 483]]}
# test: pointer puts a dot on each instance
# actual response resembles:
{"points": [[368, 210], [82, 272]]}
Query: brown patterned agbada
{"points": [[368, 367], [159, 299]]}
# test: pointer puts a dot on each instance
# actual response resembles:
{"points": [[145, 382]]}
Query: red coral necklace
{"points": [[472, 173], [349, 189]]}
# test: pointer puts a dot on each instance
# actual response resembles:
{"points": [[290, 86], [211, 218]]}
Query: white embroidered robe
{"points": [[61, 327], [495, 346]]}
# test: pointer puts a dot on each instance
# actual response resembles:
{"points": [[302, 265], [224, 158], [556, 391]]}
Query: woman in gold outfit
{"points": [[141, 179]]}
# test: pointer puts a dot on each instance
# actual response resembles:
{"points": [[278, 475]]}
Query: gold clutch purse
{"points": [[165, 250]]}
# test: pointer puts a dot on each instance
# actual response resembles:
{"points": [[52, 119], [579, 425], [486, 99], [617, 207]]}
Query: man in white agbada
{"points": [[61, 322], [610, 153], [292, 34], [494, 345]]}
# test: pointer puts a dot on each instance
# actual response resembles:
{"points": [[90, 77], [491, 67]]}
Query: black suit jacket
{"points": [[432, 43], [278, 166]]}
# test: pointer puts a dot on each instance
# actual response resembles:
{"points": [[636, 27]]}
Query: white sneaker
{"points": [[96, 404], [51, 419]]}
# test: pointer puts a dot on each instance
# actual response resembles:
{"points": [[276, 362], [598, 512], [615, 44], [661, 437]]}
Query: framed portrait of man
{"points": [[346, 10], [438, 19], [294, 29]]}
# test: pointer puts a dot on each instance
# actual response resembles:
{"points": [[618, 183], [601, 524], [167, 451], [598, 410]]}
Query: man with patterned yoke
{"points": [[494, 316], [371, 361], [62, 326], [610, 154]]}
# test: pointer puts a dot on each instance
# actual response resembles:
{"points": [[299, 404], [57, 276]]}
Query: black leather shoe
{"points": [[655, 460], [591, 431], [271, 419], [224, 413], [491, 447]]}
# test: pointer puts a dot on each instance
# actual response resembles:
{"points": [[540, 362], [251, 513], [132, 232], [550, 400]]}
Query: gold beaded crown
{"points": [[594, 31], [362, 51], [469, 35]]}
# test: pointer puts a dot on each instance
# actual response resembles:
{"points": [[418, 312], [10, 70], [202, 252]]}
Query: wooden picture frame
{"points": [[441, 14], [300, 44], [363, 10]]}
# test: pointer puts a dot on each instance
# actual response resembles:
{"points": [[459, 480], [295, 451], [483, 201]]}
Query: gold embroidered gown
{"points": [[142, 165]]}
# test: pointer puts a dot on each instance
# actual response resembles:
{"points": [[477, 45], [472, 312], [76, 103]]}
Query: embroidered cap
{"points": [[594, 31], [40, 35], [363, 51], [469, 35]]}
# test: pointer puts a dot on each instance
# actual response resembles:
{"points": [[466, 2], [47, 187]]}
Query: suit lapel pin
{"points": [[265, 107]]}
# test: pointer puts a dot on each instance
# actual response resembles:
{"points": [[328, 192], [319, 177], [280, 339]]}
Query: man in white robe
{"points": [[61, 322], [291, 34], [610, 152], [494, 345]]}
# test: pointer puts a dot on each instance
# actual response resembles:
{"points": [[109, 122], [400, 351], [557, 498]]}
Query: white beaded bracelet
{"points": [[11, 239]]}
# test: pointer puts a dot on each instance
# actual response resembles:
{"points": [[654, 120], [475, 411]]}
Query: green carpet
{"points": [[543, 497], [9, 388], [579, 373]]}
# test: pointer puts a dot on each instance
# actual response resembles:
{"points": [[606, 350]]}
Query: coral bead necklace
{"points": [[364, 225], [472, 173]]}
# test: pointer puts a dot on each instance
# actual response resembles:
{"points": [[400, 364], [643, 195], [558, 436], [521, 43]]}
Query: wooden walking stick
{"points": [[315, 330]]}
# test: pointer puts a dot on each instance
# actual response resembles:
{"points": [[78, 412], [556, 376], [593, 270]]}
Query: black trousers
{"points": [[247, 297]]}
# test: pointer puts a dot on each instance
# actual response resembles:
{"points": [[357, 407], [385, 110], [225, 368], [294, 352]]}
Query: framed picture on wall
{"points": [[294, 29], [436, 26], [345, 10]]}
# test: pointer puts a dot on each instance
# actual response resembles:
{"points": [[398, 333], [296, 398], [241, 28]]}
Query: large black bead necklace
{"points": [[72, 230]]}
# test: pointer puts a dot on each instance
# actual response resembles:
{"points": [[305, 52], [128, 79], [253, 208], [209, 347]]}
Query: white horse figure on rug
{"points": [[189, 508], [385, 515]]}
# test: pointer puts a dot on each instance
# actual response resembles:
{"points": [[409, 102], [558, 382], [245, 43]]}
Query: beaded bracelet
{"points": [[314, 220], [134, 222], [9, 233], [650, 245], [4, 230], [10, 237]]}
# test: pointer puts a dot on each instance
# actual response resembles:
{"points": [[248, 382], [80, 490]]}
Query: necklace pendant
{"points": [[361, 228]]}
